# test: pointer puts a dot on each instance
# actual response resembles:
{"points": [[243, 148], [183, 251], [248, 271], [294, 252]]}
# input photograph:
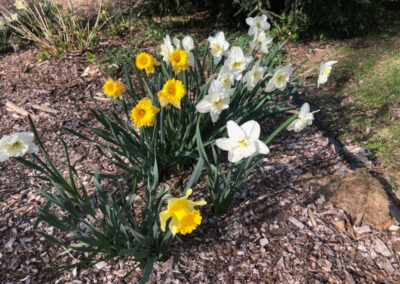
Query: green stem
{"points": [[280, 128]]}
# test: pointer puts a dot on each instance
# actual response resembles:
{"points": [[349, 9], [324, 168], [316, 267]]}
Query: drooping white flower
{"points": [[166, 49], [252, 77], [243, 141], [219, 46], [237, 62], [16, 145], [188, 46], [225, 76], [216, 101], [324, 71], [305, 117], [257, 24], [280, 79], [20, 4], [261, 41]]}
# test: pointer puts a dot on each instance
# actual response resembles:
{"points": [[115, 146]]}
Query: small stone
{"points": [[264, 242], [100, 265], [381, 248]]}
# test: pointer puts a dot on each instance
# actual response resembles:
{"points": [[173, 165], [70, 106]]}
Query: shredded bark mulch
{"points": [[280, 227]]}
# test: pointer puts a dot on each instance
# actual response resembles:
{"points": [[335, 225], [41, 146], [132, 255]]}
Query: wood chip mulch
{"points": [[280, 228]]}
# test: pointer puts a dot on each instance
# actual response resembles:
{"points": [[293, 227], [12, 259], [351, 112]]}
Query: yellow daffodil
{"points": [[145, 61], [185, 219], [114, 89], [179, 60], [172, 92], [143, 113]]}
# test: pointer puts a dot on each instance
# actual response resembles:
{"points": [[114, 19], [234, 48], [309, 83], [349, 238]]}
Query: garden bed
{"points": [[280, 228]]}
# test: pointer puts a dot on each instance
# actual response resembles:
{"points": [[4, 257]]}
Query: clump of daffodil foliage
{"points": [[187, 109]]}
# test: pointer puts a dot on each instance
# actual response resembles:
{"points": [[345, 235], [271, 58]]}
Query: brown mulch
{"points": [[279, 229]]}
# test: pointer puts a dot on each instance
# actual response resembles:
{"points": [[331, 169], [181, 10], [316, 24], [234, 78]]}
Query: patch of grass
{"points": [[365, 104]]}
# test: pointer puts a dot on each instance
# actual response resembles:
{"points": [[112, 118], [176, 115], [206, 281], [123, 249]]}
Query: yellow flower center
{"points": [[280, 79], [326, 71], [217, 47], [218, 102], [243, 143], [15, 145], [236, 64], [171, 90]]}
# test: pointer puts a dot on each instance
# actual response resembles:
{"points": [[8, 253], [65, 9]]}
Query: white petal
{"points": [[204, 105], [215, 87], [305, 108], [330, 63], [270, 86], [176, 42], [217, 60], [3, 157], [224, 143], [235, 132], [220, 37], [261, 147], [252, 129], [32, 148], [188, 43], [214, 115], [235, 156], [292, 125], [250, 21]]}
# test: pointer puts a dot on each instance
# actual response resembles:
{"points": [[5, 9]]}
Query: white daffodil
{"points": [[252, 77], [166, 49], [20, 4], [219, 46], [261, 41], [257, 24], [16, 145], [305, 117], [225, 76], [188, 46], [280, 79], [216, 101], [324, 71], [14, 17], [243, 141], [237, 62]]}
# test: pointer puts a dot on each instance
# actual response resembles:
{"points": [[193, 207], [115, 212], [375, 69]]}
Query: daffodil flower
{"points": [[257, 24], [305, 117], [243, 141], [253, 76], [225, 76], [237, 62], [216, 101], [219, 46], [188, 46], [1, 23], [16, 145], [261, 41], [324, 71], [184, 218], [166, 49], [280, 79], [20, 4]]}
